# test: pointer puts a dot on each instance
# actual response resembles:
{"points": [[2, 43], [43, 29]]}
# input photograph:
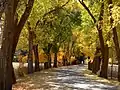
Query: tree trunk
{"points": [[49, 55], [46, 65], [64, 59], [99, 29], [13, 75], [55, 60], [90, 65], [30, 54], [115, 37], [35, 48], [117, 48], [49, 60], [9, 43], [6, 50], [6, 72], [96, 61], [104, 69], [103, 72]]}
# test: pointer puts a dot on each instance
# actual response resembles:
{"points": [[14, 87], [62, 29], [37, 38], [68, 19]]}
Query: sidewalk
{"points": [[64, 78]]}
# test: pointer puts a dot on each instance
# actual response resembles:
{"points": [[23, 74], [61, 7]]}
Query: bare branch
{"points": [[15, 5]]}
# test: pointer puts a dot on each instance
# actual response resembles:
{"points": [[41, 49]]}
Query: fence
{"points": [[113, 70]]}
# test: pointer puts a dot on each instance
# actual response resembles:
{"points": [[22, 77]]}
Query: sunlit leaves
{"points": [[116, 15], [60, 25], [56, 26]]}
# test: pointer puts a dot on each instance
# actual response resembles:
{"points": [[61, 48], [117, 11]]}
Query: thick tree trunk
{"points": [[5, 71], [55, 60], [117, 48], [99, 26], [30, 54], [35, 48], [115, 37], [6, 50], [96, 61], [8, 46], [104, 67]]}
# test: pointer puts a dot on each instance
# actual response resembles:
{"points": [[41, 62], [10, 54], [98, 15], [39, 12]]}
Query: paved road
{"points": [[114, 71], [63, 78]]}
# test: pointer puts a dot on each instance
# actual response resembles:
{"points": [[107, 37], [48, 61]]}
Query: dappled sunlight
{"points": [[90, 86], [63, 78], [58, 38], [94, 77]]}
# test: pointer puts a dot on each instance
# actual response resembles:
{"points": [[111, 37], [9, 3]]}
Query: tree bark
{"points": [[101, 39], [48, 54], [105, 63], [90, 65], [6, 50], [55, 60], [117, 48], [99, 29], [35, 48], [13, 75], [2, 7], [115, 37], [46, 65], [30, 54], [96, 61], [10, 40], [49, 60]]}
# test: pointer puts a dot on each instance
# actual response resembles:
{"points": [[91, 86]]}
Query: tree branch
{"points": [[89, 12], [25, 15], [15, 5], [51, 11]]}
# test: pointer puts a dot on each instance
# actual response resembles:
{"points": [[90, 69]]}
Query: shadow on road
{"points": [[63, 78]]}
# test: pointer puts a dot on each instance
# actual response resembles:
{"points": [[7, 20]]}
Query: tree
{"points": [[30, 54], [6, 79], [11, 35], [36, 54], [99, 25], [115, 36], [47, 50]]}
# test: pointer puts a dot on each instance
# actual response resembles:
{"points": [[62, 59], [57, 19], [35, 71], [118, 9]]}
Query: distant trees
{"points": [[54, 28]]}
